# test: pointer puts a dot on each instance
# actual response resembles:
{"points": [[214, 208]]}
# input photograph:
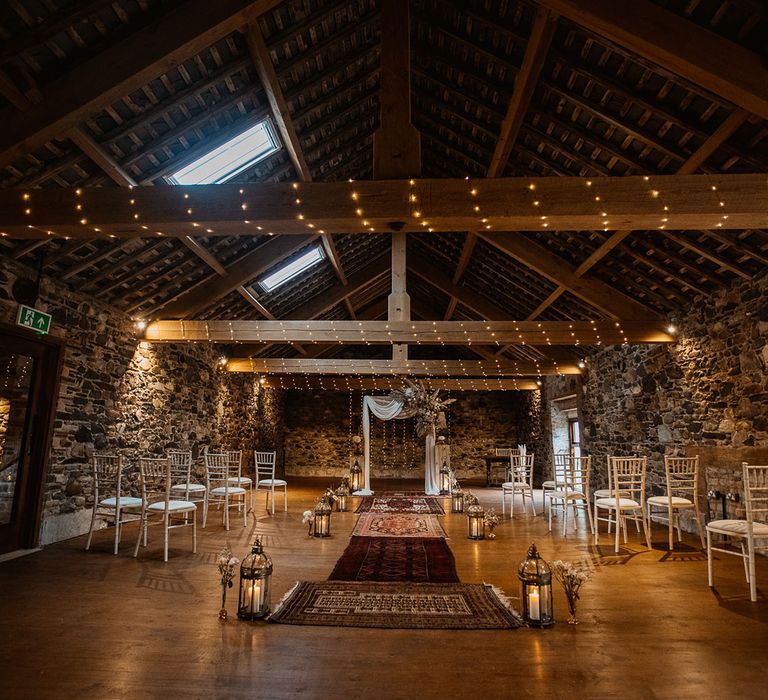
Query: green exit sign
{"points": [[32, 318]]}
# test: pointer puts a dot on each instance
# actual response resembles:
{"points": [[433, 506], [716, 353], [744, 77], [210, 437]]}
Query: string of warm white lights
{"points": [[604, 200]]}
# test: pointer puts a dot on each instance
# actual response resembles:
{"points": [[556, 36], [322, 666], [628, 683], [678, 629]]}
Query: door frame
{"points": [[43, 395]]}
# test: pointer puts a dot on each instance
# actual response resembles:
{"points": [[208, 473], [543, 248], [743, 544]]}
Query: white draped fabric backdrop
{"points": [[387, 408]]}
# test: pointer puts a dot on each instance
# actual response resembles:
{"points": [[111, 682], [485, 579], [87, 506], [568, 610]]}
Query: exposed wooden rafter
{"points": [[671, 202], [126, 66], [418, 368], [703, 57], [415, 332], [281, 113], [353, 383]]}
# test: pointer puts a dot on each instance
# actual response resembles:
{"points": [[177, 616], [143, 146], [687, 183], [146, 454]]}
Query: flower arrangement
{"points": [[491, 521], [470, 499], [426, 405], [308, 518], [227, 566], [571, 578]]}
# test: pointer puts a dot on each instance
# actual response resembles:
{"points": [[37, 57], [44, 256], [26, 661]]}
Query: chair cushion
{"points": [[272, 482], [604, 493], [172, 506], [737, 527], [515, 485], [577, 495], [627, 503], [232, 491], [551, 483], [677, 501], [193, 488], [125, 502], [239, 480]]}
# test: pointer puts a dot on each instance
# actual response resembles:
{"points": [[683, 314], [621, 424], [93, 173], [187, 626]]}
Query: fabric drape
{"points": [[387, 408]]}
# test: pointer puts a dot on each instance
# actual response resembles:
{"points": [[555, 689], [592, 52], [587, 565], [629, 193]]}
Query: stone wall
{"points": [[319, 427], [706, 394], [117, 393]]}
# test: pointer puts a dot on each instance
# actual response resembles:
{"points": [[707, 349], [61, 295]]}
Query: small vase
{"points": [[572, 619], [223, 611], [491, 533]]}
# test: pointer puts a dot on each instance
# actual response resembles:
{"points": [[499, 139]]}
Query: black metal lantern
{"points": [[322, 518], [445, 479], [342, 492], [356, 477], [536, 589], [457, 501], [476, 521], [255, 575]]}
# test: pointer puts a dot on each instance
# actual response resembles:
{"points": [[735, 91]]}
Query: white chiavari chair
{"points": [[559, 467], [755, 479], [157, 501], [235, 458], [221, 490], [109, 501], [499, 471], [682, 475], [574, 491], [628, 500], [520, 480], [183, 485], [265, 477]]}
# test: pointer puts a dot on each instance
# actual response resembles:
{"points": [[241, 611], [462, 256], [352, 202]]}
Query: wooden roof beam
{"points": [[281, 113], [705, 58], [596, 293], [126, 66], [417, 368], [350, 383], [693, 202], [238, 273]]}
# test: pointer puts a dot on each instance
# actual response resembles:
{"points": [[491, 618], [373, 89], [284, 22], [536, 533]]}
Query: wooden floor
{"points": [[89, 624]]}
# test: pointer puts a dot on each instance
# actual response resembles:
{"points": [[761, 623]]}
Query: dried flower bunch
{"points": [[491, 518], [424, 404], [227, 566], [571, 578]]}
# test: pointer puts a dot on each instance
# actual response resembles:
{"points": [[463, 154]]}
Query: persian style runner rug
{"points": [[398, 525], [414, 559], [395, 606], [400, 503]]}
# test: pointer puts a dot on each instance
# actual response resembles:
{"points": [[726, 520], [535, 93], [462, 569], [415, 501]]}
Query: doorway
{"points": [[30, 367]]}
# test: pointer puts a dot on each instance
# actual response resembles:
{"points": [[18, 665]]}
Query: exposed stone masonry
{"points": [[141, 399], [707, 394], [318, 433]]}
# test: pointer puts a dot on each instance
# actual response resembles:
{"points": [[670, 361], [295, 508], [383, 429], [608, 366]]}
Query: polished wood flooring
{"points": [[78, 624]]}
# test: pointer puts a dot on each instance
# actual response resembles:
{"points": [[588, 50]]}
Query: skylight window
{"points": [[292, 269], [229, 159]]}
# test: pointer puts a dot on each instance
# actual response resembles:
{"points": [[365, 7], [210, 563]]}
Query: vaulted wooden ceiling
{"points": [[121, 93]]}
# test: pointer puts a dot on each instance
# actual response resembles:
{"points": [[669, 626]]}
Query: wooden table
{"points": [[490, 460]]}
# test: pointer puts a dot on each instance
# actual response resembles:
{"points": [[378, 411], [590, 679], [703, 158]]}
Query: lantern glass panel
{"points": [[254, 599], [536, 589], [476, 522], [322, 519], [457, 502]]}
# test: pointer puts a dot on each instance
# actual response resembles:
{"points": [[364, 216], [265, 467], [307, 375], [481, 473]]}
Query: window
{"points": [[295, 267], [574, 436], [229, 159]]}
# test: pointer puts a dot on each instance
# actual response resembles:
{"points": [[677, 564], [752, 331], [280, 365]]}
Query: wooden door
{"points": [[29, 377]]}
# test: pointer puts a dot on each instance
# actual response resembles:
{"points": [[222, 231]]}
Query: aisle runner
{"points": [[398, 525], [395, 606], [400, 502], [388, 577], [412, 559]]}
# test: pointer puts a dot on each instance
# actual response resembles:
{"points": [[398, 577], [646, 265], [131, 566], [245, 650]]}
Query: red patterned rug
{"points": [[395, 606], [396, 559], [400, 502], [398, 525]]}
